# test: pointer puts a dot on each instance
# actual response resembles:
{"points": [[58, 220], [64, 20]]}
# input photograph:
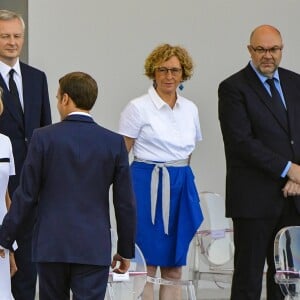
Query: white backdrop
{"points": [[111, 39]]}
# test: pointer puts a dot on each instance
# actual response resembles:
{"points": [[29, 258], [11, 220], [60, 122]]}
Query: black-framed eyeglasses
{"points": [[165, 71], [260, 50]]}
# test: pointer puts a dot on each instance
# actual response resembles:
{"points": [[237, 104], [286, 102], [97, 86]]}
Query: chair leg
{"points": [[195, 280], [110, 292], [191, 292]]}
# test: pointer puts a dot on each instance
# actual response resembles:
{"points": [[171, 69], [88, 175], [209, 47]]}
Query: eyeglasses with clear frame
{"points": [[263, 51], [165, 71]]}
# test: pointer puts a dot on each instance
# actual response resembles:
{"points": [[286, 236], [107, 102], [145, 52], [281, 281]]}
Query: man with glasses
{"points": [[259, 110]]}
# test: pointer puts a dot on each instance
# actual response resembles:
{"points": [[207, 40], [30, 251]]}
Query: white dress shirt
{"points": [[4, 70]]}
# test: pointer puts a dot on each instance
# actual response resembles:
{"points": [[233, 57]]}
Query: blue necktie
{"points": [[277, 101]]}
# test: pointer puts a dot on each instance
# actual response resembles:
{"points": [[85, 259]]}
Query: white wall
{"points": [[111, 39]]}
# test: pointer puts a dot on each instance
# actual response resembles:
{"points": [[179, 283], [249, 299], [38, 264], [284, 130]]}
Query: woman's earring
{"points": [[154, 84], [181, 86]]}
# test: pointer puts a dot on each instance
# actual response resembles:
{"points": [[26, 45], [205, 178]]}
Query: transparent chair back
{"points": [[131, 289], [287, 261], [213, 243]]}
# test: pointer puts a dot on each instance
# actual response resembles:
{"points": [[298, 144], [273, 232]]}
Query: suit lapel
{"points": [[9, 103], [27, 81], [264, 96], [291, 96]]}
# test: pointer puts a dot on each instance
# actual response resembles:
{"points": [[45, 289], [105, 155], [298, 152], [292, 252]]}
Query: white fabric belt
{"points": [[165, 186]]}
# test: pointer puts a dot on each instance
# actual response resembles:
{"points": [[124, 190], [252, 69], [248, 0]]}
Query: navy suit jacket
{"points": [[67, 174], [257, 144], [36, 114]]}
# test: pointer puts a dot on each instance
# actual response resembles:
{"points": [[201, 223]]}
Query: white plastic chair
{"points": [[287, 261], [213, 243], [131, 289]]}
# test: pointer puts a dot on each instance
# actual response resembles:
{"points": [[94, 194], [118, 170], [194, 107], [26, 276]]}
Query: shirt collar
{"points": [[263, 78], [79, 113], [4, 68], [157, 101]]}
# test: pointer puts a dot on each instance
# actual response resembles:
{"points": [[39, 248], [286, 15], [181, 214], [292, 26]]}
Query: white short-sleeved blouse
{"points": [[160, 132], [7, 168]]}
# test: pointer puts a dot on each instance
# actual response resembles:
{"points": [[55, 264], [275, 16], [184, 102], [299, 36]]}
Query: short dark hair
{"points": [[81, 88]]}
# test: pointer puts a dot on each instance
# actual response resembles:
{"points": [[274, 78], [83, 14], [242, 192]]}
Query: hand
{"points": [[13, 266], [2, 253], [124, 264], [294, 173], [291, 188]]}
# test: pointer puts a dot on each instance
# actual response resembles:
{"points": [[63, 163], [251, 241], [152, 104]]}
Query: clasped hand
{"points": [[292, 187], [123, 264]]}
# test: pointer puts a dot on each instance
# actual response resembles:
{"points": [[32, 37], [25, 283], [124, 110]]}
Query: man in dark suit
{"points": [[262, 149], [68, 172], [26, 107]]}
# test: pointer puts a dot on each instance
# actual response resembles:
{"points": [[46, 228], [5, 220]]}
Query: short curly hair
{"points": [[163, 53]]}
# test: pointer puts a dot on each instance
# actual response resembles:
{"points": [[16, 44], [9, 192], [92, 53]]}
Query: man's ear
{"points": [[65, 99]]}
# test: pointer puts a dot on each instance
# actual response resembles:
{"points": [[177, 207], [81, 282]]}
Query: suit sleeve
{"points": [[124, 204], [239, 138]]}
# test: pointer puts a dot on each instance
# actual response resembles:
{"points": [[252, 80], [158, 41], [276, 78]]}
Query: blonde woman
{"points": [[7, 168]]}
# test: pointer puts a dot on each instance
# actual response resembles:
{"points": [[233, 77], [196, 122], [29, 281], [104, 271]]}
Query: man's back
{"points": [[67, 175], [75, 162]]}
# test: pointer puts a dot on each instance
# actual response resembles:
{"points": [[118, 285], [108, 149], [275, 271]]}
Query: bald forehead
{"points": [[265, 32]]}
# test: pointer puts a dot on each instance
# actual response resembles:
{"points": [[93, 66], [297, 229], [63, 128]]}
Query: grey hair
{"points": [[6, 15]]}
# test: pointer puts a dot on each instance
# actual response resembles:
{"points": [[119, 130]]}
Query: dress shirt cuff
{"points": [[125, 258], [286, 169]]}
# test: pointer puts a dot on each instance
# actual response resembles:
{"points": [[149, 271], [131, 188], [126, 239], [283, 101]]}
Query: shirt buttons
{"points": [[292, 142]]}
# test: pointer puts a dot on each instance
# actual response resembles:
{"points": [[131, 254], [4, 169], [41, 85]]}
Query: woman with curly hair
{"points": [[162, 128]]}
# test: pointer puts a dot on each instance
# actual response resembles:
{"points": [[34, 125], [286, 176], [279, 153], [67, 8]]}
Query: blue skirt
{"points": [[160, 249]]}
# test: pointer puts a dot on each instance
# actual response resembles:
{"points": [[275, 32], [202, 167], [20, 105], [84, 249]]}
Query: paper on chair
{"points": [[120, 277], [218, 234]]}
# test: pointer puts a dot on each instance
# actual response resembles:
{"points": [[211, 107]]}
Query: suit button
{"points": [[292, 142], [26, 140]]}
